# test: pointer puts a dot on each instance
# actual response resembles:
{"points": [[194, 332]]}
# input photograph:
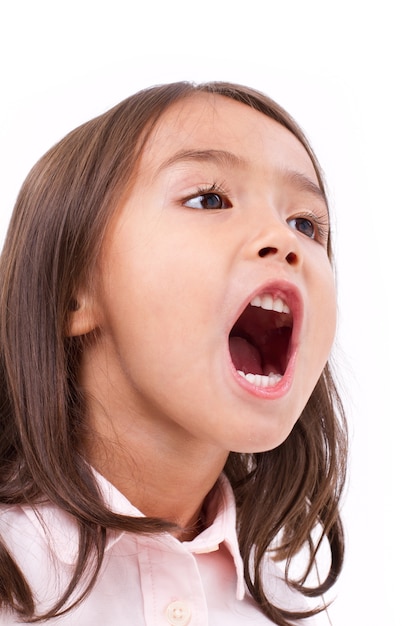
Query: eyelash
{"points": [[205, 192], [319, 225]]}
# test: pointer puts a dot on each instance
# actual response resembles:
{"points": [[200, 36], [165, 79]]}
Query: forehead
{"points": [[213, 122]]}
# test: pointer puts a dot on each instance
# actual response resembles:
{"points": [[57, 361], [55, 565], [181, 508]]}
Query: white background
{"points": [[346, 71]]}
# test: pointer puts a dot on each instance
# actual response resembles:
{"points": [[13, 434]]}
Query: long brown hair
{"points": [[53, 240]]}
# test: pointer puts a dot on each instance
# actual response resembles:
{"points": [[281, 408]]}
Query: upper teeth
{"points": [[270, 303]]}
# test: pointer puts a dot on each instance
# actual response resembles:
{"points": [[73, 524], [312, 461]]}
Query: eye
{"points": [[312, 225], [209, 199], [304, 226]]}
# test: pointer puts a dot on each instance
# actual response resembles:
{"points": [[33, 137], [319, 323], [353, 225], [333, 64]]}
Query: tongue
{"points": [[245, 356]]}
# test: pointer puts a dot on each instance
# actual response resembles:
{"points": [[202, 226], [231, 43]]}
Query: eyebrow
{"points": [[295, 179], [220, 157], [304, 184]]}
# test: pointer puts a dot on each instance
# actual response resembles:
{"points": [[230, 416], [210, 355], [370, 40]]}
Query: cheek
{"points": [[321, 311], [155, 293], [325, 304]]}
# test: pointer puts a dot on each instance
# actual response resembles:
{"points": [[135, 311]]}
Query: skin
{"points": [[165, 405]]}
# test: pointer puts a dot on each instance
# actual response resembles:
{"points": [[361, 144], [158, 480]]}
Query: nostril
{"points": [[265, 251], [291, 258]]}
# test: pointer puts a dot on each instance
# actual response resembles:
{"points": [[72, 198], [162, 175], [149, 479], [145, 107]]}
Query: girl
{"points": [[170, 427]]}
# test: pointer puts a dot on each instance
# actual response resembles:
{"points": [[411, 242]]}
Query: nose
{"points": [[276, 240]]}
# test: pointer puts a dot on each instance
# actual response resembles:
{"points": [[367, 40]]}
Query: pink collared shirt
{"points": [[144, 580]]}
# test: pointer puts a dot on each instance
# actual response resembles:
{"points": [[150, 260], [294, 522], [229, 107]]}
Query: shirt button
{"points": [[178, 613]]}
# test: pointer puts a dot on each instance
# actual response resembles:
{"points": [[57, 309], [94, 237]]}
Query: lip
{"points": [[292, 296]]}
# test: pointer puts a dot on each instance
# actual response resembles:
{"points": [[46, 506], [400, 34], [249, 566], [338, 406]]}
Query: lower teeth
{"points": [[261, 381]]}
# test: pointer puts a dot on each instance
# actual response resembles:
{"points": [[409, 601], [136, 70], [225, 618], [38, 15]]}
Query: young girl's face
{"points": [[225, 221]]}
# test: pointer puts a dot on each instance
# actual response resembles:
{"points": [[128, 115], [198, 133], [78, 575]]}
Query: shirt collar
{"points": [[61, 530], [221, 505]]}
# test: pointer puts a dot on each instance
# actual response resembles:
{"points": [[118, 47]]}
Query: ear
{"points": [[82, 318]]}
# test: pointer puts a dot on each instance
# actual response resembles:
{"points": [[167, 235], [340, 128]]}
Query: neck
{"points": [[160, 467], [164, 477]]}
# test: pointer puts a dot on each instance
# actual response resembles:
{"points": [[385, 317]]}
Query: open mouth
{"points": [[260, 340]]}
